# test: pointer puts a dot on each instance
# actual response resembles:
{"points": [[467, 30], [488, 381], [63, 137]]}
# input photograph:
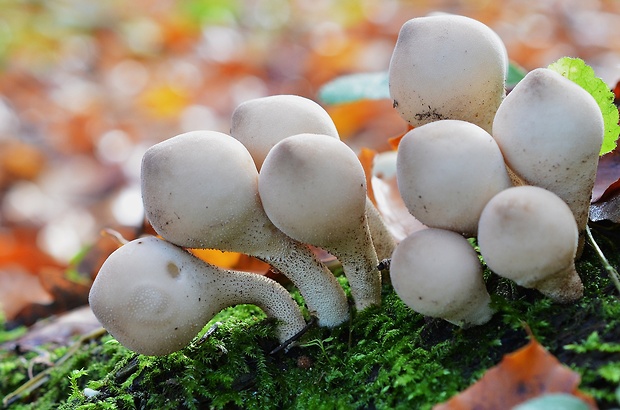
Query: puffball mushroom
{"points": [[313, 188], [447, 171], [154, 297], [447, 67], [437, 273], [200, 190], [550, 131], [260, 123], [529, 235]]}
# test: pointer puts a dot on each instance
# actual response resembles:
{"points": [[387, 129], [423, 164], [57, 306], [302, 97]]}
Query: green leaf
{"points": [[355, 87], [515, 74], [558, 401], [582, 74]]}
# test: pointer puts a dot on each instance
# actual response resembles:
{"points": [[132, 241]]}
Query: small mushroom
{"points": [[550, 131], [154, 297], [529, 235], [437, 273], [447, 171], [447, 67], [200, 190], [260, 123], [313, 188]]}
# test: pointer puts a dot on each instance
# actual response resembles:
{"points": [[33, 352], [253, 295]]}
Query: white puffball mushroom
{"points": [[447, 171], [200, 190], [262, 122], [437, 273], [154, 297], [529, 235], [550, 131], [313, 188], [447, 67]]}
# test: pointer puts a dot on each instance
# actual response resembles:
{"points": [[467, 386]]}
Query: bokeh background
{"points": [[87, 85]]}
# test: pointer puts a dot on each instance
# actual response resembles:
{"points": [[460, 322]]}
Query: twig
{"points": [[613, 273]]}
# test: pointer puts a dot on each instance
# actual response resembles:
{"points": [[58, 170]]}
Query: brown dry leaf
{"points": [[394, 141], [527, 373], [607, 177]]}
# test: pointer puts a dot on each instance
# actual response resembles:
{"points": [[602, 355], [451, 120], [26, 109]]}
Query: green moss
{"points": [[387, 357]]}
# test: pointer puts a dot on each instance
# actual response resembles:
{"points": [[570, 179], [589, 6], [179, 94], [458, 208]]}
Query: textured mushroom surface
{"points": [[437, 273], [447, 171], [447, 67], [154, 297], [529, 235]]}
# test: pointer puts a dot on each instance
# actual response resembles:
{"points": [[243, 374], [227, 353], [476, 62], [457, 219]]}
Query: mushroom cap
{"points": [[550, 131], [447, 171], [199, 189], [447, 67], [437, 273], [146, 295], [261, 123], [526, 234], [313, 188]]}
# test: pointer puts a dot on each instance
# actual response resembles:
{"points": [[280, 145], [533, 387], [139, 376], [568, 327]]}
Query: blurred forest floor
{"points": [[86, 86]]}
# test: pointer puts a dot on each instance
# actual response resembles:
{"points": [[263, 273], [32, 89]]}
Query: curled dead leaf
{"points": [[527, 373]]}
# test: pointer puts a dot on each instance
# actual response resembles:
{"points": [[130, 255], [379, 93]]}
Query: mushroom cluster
{"points": [[203, 190], [515, 171]]}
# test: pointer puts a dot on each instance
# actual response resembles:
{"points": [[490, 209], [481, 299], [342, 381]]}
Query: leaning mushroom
{"points": [[437, 273], [529, 235], [447, 171], [200, 190], [550, 131], [313, 188], [447, 67], [260, 123], [154, 297]]}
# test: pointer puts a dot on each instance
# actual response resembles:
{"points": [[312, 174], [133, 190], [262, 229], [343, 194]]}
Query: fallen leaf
{"points": [[388, 200], [367, 157], [607, 177], [527, 373]]}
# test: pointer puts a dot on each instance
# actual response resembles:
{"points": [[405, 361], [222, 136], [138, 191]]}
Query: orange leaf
{"points": [[527, 373], [394, 141], [215, 257], [367, 157]]}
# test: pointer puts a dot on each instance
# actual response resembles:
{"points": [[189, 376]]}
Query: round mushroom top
{"points": [[526, 234], [437, 273], [147, 296], [447, 67], [199, 188], [447, 171], [261, 123], [313, 188]]}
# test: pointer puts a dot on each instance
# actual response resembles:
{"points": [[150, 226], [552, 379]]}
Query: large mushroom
{"points": [[447, 171], [154, 297], [529, 235], [261, 123], [550, 131], [437, 273], [200, 190], [313, 188], [447, 67]]}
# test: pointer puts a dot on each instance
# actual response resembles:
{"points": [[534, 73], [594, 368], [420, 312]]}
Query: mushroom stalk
{"points": [[154, 297], [313, 188], [550, 131], [447, 67], [260, 123], [529, 235], [200, 190]]}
